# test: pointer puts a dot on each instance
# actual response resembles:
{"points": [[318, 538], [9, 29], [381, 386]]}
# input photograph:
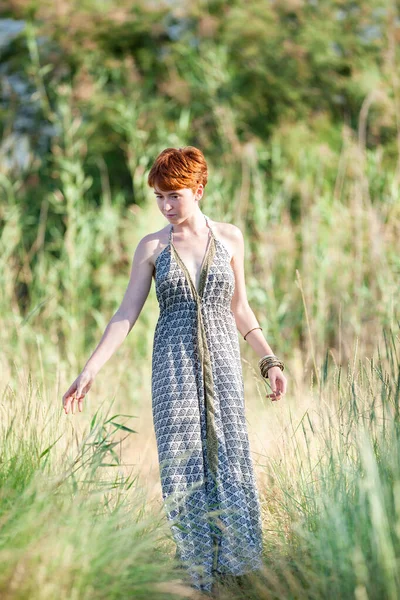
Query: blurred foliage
{"points": [[295, 105], [242, 68]]}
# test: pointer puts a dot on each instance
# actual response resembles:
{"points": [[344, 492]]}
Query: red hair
{"points": [[176, 168]]}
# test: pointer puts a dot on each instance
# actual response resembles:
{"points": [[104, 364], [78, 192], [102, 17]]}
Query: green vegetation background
{"points": [[296, 106]]}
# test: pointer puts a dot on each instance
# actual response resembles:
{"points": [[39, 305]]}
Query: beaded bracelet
{"points": [[268, 361]]}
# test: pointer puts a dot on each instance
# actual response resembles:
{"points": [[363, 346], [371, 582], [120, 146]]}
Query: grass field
{"points": [[81, 516], [80, 500]]}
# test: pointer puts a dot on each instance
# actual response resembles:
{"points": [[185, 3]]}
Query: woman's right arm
{"points": [[120, 324]]}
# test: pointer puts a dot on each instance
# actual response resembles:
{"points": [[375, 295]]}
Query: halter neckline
{"points": [[171, 229], [207, 259]]}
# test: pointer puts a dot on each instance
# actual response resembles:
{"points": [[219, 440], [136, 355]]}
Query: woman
{"points": [[208, 482]]}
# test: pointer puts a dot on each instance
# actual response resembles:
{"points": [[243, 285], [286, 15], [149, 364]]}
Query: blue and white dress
{"points": [[207, 477]]}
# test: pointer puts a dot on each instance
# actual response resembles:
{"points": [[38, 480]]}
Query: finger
{"points": [[75, 402], [281, 385], [78, 397], [276, 395], [68, 405], [79, 400], [273, 394], [68, 396]]}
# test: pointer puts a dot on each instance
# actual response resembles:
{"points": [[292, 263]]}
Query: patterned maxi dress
{"points": [[207, 478]]}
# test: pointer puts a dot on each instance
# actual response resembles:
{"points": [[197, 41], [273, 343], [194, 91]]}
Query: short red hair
{"points": [[176, 168]]}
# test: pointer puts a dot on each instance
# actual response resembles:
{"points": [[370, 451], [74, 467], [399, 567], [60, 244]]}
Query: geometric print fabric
{"points": [[206, 471]]}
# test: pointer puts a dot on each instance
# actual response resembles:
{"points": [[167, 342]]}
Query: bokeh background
{"points": [[296, 106]]}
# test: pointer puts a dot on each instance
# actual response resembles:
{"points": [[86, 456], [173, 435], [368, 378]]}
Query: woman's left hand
{"points": [[278, 383]]}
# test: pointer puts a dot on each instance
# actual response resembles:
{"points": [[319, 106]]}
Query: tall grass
{"points": [[332, 481], [310, 198], [321, 224], [74, 521]]}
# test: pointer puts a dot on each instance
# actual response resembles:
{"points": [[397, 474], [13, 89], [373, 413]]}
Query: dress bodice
{"points": [[174, 288]]}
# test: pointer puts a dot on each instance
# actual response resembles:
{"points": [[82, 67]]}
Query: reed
{"points": [[74, 520], [319, 209]]}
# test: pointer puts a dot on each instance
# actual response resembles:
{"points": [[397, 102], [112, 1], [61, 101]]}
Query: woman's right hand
{"points": [[77, 391]]}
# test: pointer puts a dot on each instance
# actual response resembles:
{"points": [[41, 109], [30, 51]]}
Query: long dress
{"points": [[207, 478]]}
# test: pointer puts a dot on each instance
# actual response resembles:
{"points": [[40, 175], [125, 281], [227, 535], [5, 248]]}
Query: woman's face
{"points": [[176, 205]]}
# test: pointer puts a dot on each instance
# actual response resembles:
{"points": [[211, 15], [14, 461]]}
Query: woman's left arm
{"points": [[245, 317]]}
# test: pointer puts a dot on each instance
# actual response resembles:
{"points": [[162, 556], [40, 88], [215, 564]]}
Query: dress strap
{"points": [[208, 225]]}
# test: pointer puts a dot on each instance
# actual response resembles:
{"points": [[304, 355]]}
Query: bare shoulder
{"points": [[230, 235], [152, 244]]}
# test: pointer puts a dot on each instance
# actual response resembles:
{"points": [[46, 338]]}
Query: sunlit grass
{"points": [[80, 499], [74, 488], [74, 521], [329, 463]]}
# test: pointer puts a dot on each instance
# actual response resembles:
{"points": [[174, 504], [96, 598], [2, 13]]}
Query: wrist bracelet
{"points": [[266, 356], [268, 361]]}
